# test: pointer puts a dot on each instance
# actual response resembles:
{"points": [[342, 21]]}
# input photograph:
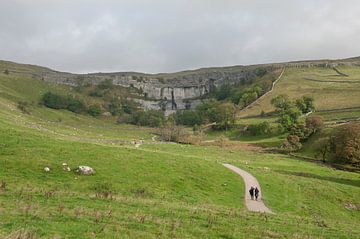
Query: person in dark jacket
{"points": [[256, 190], [251, 191]]}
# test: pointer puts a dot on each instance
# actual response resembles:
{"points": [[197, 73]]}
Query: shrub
{"points": [[260, 72], [54, 101], [289, 117], [281, 103], [305, 104], [106, 84], [345, 144], [225, 115], [300, 131], [6, 72], [124, 119], [292, 143], [23, 106], [223, 92], [152, 118], [314, 123], [97, 93], [94, 110], [172, 132], [188, 117], [263, 128], [103, 190], [115, 108], [75, 105]]}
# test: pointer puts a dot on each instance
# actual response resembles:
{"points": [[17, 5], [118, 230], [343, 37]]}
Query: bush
{"points": [[260, 72], [94, 110], [23, 106], [75, 105], [345, 144], [223, 92], [124, 119], [314, 123], [103, 190], [106, 84], [54, 101], [292, 143], [188, 117], [97, 93], [225, 115], [305, 104], [289, 117], [152, 118], [263, 128], [172, 132], [6, 72]]}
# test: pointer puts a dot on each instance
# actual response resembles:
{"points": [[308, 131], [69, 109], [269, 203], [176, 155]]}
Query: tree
{"points": [[345, 144], [281, 103], [6, 72], [289, 117], [172, 132], [225, 115], [314, 123], [207, 111], [323, 149], [223, 92], [188, 117], [305, 104], [248, 97]]}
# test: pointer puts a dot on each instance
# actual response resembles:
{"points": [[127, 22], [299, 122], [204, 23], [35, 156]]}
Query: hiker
{"points": [[251, 191], [256, 193]]}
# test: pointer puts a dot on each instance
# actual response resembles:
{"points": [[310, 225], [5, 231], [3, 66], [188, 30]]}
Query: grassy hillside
{"points": [[159, 189], [329, 89]]}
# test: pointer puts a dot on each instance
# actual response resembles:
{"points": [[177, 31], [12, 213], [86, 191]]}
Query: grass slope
{"points": [[330, 90], [160, 190]]}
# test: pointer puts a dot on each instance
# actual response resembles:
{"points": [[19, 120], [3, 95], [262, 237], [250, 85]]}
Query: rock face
{"points": [[169, 92], [85, 170]]}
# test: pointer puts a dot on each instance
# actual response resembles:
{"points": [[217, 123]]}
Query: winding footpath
{"points": [[252, 205]]}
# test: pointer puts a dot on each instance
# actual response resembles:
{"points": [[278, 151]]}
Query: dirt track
{"points": [[252, 205]]}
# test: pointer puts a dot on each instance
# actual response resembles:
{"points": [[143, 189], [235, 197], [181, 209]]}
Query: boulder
{"points": [[85, 170], [106, 114]]}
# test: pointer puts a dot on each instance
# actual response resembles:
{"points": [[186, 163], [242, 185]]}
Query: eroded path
{"points": [[252, 205]]}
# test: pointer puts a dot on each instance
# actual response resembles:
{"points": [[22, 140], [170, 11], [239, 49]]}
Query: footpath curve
{"points": [[249, 180]]}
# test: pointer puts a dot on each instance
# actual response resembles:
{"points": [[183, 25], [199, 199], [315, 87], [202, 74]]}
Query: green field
{"points": [[159, 190], [329, 90]]}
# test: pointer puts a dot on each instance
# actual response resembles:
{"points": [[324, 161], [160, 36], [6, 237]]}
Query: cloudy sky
{"points": [[172, 35]]}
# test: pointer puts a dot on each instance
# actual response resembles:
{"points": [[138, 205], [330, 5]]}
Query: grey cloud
{"points": [[163, 36]]}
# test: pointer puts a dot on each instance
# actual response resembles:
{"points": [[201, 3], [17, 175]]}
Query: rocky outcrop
{"points": [[164, 91]]}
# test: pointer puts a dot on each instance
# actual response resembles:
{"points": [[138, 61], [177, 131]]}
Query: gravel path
{"points": [[252, 205]]}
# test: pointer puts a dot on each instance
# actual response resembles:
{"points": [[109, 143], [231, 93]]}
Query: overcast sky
{"points": [[172, 35]]}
